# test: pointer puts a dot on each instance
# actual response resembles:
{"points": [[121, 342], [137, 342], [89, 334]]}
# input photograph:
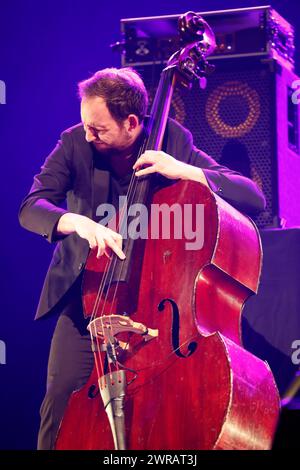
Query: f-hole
{"points": [[192, 346]]}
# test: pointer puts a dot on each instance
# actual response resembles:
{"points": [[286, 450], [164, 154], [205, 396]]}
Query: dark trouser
{"points": [[70, 365]]}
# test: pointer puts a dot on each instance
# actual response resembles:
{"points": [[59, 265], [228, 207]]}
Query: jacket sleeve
{"points": [[40, 210], [239, 191]]}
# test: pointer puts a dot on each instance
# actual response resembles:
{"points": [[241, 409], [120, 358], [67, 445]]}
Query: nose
{"points": [[89, 135]]}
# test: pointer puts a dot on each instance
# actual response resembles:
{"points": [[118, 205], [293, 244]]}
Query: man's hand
{"points": [[98, 236], [163, 163], [158, 162]]}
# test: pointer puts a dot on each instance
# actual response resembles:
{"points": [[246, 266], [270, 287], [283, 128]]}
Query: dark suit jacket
{"points": [[69, 174]]}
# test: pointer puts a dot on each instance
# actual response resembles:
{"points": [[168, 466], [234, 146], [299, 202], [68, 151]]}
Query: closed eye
{"points": [[95, 129]]}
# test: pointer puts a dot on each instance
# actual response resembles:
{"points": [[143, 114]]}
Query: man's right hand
{"points": [[98, 236]]}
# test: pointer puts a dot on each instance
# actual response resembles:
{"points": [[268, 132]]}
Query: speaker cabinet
{"points": [[246, 119]]}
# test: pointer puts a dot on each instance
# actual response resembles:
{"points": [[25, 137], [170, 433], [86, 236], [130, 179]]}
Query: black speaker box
{"points": [[247, 118]]}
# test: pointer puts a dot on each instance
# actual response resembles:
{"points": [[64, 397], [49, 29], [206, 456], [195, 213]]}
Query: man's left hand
{"points": [[159, 162], [168, 166]]}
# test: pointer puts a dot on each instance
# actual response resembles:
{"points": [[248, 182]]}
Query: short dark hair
{"points": [[123, 90]]}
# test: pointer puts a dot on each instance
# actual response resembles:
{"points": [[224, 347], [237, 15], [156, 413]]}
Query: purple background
{"points": [[45, 49]]}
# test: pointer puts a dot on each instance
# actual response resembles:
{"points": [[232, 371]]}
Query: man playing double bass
{"points": [[92, 164]]}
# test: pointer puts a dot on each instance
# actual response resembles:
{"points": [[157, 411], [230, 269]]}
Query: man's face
{"points": [[100, 127]]}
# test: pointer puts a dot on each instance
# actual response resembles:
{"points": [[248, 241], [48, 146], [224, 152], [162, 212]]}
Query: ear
{"points": [[132, 122]]}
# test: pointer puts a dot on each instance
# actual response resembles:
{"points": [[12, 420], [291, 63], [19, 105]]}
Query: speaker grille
{"points": [[234, 120]]}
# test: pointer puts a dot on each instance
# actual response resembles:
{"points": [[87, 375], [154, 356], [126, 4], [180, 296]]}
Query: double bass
{"points": [[165, 323]]}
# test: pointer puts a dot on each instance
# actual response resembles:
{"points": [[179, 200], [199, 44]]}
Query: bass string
{"points": [[111, 263], [109, 272]]}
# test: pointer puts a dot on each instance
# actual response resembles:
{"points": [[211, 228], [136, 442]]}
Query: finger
{"points": [[101, 247], [140, 162], [118, 239], [145, 159], [92, 243], [115, 236], [146, 171], [115, 247]]}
